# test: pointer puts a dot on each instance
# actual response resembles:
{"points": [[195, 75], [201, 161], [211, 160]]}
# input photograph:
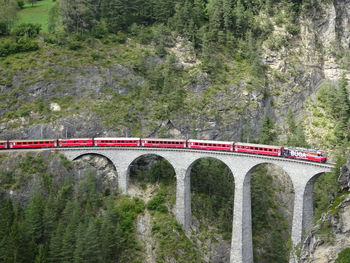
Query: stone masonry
{"points": [[302, 175]]}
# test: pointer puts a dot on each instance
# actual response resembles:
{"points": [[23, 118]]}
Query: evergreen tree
{"points": [[268, 133], [8, 14], [79, 16], [55, 248], [34, 218], [71, 218], [295, 132], [41, 256], [6, 225], [343, 111]]}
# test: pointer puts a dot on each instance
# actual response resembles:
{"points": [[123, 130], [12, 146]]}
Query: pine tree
{"points": [[55, 247], [41, 256], [343, 111], [267, 131], [34, 218]]}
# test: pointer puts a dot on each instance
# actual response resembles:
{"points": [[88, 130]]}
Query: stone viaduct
{"points": [[301, 173]]}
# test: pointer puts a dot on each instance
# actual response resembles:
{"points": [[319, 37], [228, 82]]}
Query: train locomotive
{"points": [[280, 151]]}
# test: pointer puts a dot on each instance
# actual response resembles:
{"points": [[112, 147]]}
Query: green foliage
{"points": [[270, 232], [54, 18], [20, 4], [343, 256], [27, 30], [268, 133], [38, 14], [8, 15], [160, 171], [212, 188], [157, 203], [12, 46], [294, 131], [68, 225]]}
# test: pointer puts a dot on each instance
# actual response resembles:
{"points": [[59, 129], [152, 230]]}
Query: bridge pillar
{"points": [[302, 214], [242, 244], [123, 179], [183, 198]]}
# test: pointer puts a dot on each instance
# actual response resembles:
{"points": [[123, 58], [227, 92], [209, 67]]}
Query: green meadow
{"points": [[37, 14]]}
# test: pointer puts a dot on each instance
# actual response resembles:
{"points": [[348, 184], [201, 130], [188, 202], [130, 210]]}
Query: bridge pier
{"points": [[123, 179], [183, 198], [241, 244], [303, 209]]}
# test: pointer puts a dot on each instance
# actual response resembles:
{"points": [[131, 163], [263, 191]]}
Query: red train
{"points": [[288, 152]]}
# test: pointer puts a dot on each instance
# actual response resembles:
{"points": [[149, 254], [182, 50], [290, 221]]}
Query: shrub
{"points": [[157, 202], [27, 29], [13, 46], [20, 4], [343, 256], [293, 29], [4, 29]]}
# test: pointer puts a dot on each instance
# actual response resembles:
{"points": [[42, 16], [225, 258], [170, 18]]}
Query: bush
{"points": [[343, 256], [13, 46], [20, 4], [27, 29], [293, 29], [4, 30], [157, 203]]}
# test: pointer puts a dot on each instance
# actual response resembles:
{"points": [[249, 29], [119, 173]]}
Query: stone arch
{"points": [[95, 154], [308, 209], [188, 171], [138, 157], [278, 184], [103, 167], [211, 180], [149, 159], [276, 164]]}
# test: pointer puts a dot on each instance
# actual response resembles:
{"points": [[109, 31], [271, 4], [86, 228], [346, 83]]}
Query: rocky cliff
{"points": [[331, 234]]}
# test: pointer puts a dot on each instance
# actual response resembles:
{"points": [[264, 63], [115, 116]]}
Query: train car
{"points": [[85, 142], [210, 145], [167, 143], [19, 144], [305, 154], [105, 142], [259, 149], [3, 144]]}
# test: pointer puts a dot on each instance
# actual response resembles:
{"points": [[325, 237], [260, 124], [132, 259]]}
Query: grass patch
{"points": [[37, 14]]}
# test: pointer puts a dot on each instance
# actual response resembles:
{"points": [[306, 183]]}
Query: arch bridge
{"points": [[301, 173]]}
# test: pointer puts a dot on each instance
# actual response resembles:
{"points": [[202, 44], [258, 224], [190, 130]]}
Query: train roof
{"points": [[32, 140], [258, 145], [157, 139], [70, 139], [304, 149], [209, 141], [116, 138]]}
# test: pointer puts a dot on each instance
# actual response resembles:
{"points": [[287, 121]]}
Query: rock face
{"points": [[57, 168], [323, 245], [344, 177], [332, 233]]}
